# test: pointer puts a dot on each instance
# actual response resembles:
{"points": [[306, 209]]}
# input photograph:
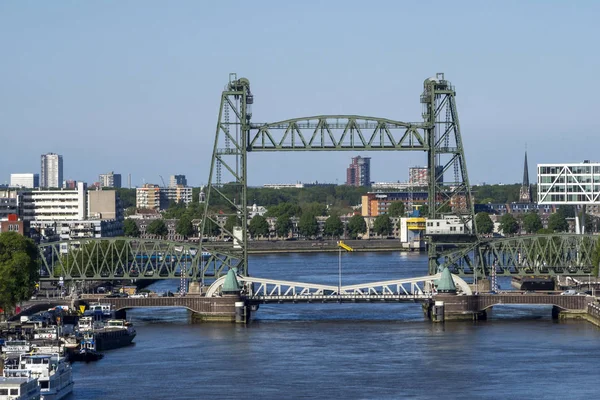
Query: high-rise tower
{"points": [[525, 193], [359, 172], [52, 171]]}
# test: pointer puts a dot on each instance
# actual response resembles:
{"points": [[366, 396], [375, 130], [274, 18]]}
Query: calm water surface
{"points": [[347, 351]]}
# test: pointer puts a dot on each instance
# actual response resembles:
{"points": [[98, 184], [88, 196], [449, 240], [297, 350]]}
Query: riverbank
{"points": [[323, 246]]}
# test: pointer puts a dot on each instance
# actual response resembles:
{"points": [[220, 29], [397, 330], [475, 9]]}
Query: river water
{"points": [[347, 351]]}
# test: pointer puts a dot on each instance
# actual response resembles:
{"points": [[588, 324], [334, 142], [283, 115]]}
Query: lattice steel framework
{"points": [[126, 258], [540, 255], [438, 135]]}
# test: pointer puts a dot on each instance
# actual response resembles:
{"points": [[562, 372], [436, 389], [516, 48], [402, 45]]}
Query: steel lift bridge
{"points": [[438, 136]]}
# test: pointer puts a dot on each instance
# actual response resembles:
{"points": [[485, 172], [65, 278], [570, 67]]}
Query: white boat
{"points": [[49, 333], [18, 384], [102, 309], [16, 347], [53, 373]]}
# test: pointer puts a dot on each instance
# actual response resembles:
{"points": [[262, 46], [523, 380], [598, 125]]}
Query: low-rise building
{"points": [[177, 194], [377, 203], [104, 204], [148, 197], [55, 204], [27, 181], [13, 224], [9, 202]]}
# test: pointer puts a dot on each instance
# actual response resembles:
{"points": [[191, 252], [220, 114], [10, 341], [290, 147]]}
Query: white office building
{"points": [[576, 183], [55, 204], [26, 181], [52, 171]]}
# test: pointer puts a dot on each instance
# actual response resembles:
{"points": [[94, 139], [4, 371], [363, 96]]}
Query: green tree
{"points": [[544, 231], [445, 209], [184, 227], [283, 226], [383, 225], [232, 222], [314, 209], [557, 222], [288, 209], [588, 221], [175, 210], [19, 269], [396, 209], [596, 260], [258, 226], [508, 224], [158, 228], [484, 223], [308, 226], [333, 226], [532, 222], [211, 228], [356, 226], [424, 210], [130, 228]]}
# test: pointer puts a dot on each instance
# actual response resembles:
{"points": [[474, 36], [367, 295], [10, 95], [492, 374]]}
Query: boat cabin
{"points": [[102, 309], [49, 333], [16, 346], [18, 384]]}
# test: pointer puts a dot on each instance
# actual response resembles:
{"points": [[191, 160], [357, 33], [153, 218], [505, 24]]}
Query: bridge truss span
{"points": [[261, 290], [540, 255], [337, 132], [128, 258]]}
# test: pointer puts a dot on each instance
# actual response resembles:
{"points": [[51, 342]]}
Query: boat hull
{"points": [[113, 340], [62, 393]]}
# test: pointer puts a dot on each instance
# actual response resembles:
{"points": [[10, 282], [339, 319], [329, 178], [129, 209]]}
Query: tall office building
{"points": [[177, 180], [110, 180], [359, 172], [52, 171], [27, 181]]}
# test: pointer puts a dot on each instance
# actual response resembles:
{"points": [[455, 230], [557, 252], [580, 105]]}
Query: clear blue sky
{"points": [[134, 86]]}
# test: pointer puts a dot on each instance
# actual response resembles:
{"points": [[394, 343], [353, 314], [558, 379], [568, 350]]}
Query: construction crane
{"points": [[163, 181]]}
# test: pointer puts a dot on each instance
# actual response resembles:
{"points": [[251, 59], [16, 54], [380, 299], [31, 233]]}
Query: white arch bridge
{"points": [[261, 290]]}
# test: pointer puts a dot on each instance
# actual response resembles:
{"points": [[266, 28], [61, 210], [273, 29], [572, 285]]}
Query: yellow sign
{"points": [[344, 246], [81, 309]]}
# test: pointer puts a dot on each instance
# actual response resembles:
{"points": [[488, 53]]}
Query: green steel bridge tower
{"points": [[438, 135]]}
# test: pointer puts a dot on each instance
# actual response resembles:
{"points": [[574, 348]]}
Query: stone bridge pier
{"points": [[226, 308], [451, 307]]}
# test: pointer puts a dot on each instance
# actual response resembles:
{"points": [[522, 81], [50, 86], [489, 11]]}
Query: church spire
{"points": [[525, 193], [526, 172]]}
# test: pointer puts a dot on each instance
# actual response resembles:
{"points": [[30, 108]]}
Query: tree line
{"points": [[283, 213], [531, 222]]}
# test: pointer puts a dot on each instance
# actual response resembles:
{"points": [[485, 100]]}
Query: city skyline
{"points": [[112, 98]]}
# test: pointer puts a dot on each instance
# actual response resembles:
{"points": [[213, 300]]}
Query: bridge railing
{"points": [[348, 297], [594, 310]]}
